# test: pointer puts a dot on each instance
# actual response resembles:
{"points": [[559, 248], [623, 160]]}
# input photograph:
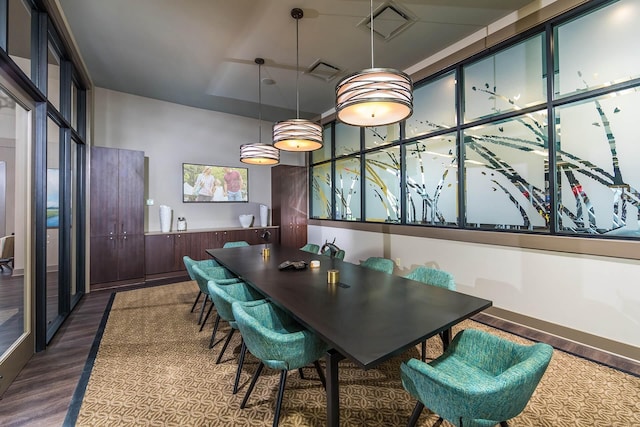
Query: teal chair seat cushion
{"points": [[481, 378], [275, 338]]}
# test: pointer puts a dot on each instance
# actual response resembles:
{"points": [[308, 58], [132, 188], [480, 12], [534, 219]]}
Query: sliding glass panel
{"points": [[434, 107], [73, 209], [506, 171], [382, 186], [598, 49], [53, 220], [347, 197], [19, 34], [377, 136], [53, 77], [598, 165], [510, 80], [321, 199], [432, 181], [325, 152], [74, 105], [347, 139]]}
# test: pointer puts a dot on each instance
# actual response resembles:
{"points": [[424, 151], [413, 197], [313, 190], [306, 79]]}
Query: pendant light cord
{"points": [[298, 70], [259, 101], [371, 22]]}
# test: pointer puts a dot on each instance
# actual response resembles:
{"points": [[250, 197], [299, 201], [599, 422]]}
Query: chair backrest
{"points": [[189, 263], [202, 276], [6, 243], [225, 295], [433, 277], [339, 254], [311, 248], [378, 263], [237, 244]]}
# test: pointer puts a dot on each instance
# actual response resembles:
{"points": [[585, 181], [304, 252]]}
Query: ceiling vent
{"points": [[322, 70], [389, 20]]}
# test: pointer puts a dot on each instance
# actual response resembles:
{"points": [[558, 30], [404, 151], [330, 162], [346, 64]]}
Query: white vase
{"points": [[165, 218], [264, 215], [245, 220]]}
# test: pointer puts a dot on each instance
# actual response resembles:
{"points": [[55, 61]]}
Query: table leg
{"points": [[333, 391]]}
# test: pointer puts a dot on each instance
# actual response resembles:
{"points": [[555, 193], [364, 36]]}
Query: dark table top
{"points": [[369, 316]]}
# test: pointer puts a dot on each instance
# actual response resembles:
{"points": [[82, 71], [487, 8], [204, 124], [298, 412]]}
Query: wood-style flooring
{"points": [[41, 393]]}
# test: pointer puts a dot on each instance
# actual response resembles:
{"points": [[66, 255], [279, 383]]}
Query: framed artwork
{"points": [[53, 198], [214, 184]]}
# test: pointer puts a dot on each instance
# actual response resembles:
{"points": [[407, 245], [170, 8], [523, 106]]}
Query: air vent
{"points": [[322, 70], [389, 20]]}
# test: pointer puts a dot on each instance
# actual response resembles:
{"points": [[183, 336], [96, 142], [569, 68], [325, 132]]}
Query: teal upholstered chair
{"points": [[378, 263], [434, 277], [311, 248], [479, 381], [223, 296], [279, 342], [339, 254], [202, 277], [204, 265], [237, 244]]}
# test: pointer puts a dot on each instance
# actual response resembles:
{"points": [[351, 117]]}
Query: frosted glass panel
{"points": [[321, 199], [598, 49], [507, 81], [434, 107], [506, 167], [598, 163], [347, 197], [347, 139], [323, 153], [378, 136], [432, 181], [382, 186]]}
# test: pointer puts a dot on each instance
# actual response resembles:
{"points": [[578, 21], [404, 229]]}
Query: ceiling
{"points": [[201, 53]]}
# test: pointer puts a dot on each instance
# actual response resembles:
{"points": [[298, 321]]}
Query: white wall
{"points": [[595, 295], [172, 134]]}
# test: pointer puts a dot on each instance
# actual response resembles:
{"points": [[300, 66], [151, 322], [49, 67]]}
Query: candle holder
{"points": [[266, 252], [333, 276]]}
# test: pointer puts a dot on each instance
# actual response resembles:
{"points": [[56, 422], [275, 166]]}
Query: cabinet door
{"points": [[159, 253], [104, 259], [203, 241], [184, 244], [289, 201], [104, 192], [130, 192], [130, 257]]}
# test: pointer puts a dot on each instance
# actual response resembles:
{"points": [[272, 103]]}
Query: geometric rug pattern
{"points": [[153, 367]]}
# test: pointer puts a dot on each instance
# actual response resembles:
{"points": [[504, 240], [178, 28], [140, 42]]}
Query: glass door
{"points": [[16, 188]]}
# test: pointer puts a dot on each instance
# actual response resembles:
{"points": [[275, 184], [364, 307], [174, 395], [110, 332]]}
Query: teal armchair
{"points": [[202, 276], [311, 248], [237, 244], [434, 277], [279, 342], [203, 264], [479, 381], [378, 263]]}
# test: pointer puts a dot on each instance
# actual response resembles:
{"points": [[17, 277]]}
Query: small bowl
{"points": [[246, 220]]}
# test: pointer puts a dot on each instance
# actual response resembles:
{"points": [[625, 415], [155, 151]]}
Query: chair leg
{"points": [[415, 414], [504, 424], [226, 343], [196, 301], [283, 381], [204, 302], [206, 317], [424, 351], [243, 350], [301, 373], [251, 385], [215, 331], [320, 374]]}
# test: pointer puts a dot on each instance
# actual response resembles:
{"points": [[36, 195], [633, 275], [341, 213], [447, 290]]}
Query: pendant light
{"points": [[259, 153], [297, 134], [374, 96]]}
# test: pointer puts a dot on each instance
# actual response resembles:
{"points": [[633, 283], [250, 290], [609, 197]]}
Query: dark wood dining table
{"points": [[368, 316]]}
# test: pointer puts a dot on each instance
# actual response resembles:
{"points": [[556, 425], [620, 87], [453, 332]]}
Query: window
{"points": [[382, 185]]}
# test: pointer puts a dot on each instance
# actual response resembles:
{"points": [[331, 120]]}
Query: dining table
{"points": [[366, 316]]}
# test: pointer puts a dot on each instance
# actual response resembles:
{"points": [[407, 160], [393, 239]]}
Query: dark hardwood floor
{"points": [[42, 392]]}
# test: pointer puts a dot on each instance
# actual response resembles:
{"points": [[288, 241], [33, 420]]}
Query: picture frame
{"points": [[203, 183]]}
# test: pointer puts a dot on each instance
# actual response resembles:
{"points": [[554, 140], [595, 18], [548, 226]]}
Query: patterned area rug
{"points": [[153, 367]]}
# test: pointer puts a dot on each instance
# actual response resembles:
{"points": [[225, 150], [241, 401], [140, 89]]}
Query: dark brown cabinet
{"points": [[117, 215], [289, 203], [164, 252]]}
